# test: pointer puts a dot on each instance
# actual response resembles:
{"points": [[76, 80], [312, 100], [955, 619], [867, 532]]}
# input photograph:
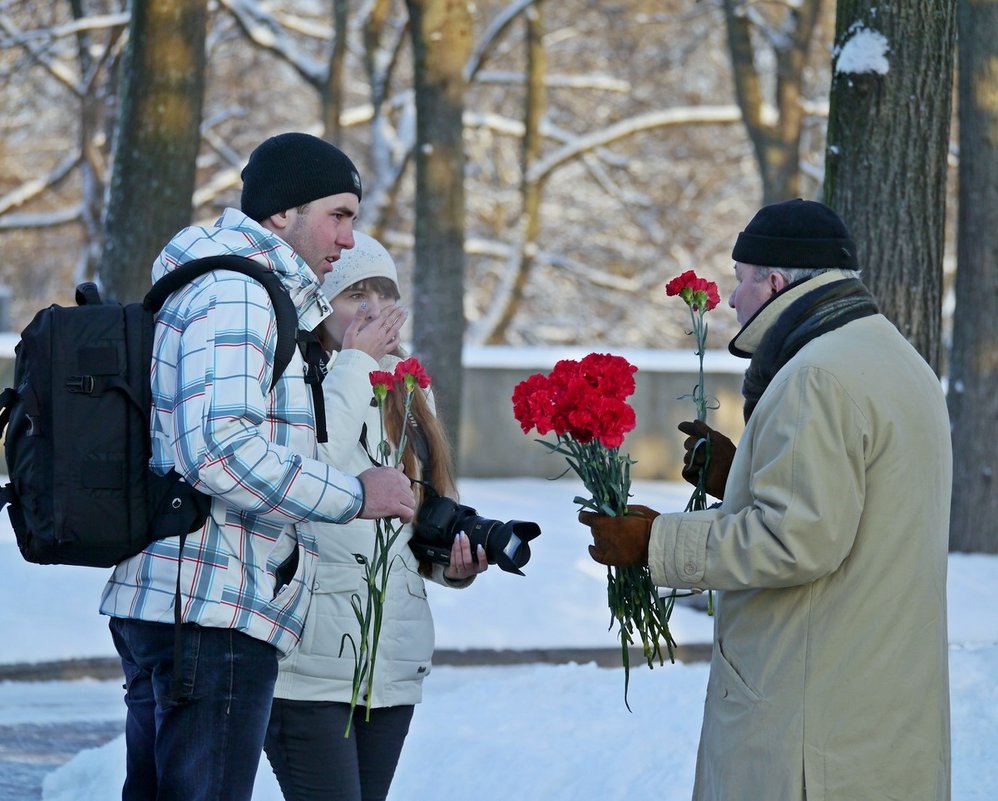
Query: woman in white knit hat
{"points": [[305, 741]]}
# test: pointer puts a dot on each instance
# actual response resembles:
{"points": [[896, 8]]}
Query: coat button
{"points": [[690, 568]]}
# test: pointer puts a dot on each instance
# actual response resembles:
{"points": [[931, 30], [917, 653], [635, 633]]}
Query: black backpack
{"points": [[77, 425]]}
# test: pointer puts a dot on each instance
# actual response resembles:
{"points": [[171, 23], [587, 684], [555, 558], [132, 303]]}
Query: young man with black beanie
{"points": [[828, 551], [245, 577]]}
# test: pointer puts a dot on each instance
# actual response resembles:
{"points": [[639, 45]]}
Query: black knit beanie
{"points": [[796, 233], [292, 169]]}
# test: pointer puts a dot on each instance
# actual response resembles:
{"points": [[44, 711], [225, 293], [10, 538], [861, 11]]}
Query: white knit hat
{"points": [[366, 259]]}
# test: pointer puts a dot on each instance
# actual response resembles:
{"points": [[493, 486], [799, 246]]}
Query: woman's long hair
{"points": [[437, 471], [423, 425]]}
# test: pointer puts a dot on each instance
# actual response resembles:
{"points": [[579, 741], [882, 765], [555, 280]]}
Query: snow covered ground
{"points": [[535, 732]]}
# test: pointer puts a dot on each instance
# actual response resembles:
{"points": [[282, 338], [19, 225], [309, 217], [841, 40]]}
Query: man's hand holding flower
{"points": [[620, 541]]}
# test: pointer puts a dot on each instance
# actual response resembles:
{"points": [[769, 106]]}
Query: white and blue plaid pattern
{"points": [[217, 422]]}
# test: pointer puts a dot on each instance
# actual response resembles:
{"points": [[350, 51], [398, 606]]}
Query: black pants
{"points": [[313, 761]]}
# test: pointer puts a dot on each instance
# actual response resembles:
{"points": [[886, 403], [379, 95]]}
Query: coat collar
{"points": [[747, 340]]}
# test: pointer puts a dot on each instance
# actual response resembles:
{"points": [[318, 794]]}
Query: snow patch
{"points": [[864, 51]]}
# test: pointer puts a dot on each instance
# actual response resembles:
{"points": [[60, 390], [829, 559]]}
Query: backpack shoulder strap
{"points": [[284, 307]]}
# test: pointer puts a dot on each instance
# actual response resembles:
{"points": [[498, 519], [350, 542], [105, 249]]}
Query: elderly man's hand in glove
{"points": [[620, 541], [722, 451]]}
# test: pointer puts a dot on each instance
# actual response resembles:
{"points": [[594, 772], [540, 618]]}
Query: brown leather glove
{"points": [[722, 451], [620, 541]]}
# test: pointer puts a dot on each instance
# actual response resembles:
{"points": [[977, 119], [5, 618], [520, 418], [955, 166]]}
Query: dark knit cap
{"points": [[796, 233], [292, 169]]}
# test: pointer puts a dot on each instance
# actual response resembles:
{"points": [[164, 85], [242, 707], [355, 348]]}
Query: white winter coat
{"points": [[317, 671]]}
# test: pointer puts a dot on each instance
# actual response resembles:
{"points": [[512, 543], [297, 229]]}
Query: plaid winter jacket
{"points": [[216, 420]]}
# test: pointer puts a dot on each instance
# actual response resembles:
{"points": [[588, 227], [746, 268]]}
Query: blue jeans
{"points": [[208, 747]]}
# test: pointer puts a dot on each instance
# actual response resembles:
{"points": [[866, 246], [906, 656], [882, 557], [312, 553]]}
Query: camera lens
{"points": [[440, 519], [512, 546], [505, 544]]}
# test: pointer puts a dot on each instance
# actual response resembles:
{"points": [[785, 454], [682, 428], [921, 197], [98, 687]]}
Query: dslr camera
{"points": [[440, 519]]}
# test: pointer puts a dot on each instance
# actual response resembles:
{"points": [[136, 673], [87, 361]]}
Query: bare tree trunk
{"points": [[388, 162], [332, 91], [888, 138], [441, 36], [157, 140], [93, 108], [530, 190], [777, 141], [973, 381]]}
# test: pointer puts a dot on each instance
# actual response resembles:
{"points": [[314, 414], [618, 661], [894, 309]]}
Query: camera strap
{"points": [[366, 447], [416, 438]]}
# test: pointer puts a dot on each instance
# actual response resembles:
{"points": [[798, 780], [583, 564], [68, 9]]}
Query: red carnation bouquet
{"points": [[369, 612], [584, 403]]}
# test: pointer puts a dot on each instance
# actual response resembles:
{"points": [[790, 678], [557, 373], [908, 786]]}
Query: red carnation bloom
{"points": [[382, 381], [609, 375], [410, 372], [616, 419], [533, 404], [698, 293]]}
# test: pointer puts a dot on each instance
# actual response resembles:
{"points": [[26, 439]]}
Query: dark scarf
{"points": [[818, 312]]}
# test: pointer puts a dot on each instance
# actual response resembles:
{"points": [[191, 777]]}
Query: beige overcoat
{"points": [[828, 679]]}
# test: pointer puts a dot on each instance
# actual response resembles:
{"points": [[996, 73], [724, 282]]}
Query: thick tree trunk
{"points": [[973, 377], [157, 141], [885, 164], [442, 37]]}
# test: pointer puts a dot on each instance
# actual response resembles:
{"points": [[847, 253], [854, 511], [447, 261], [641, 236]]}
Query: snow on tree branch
{"points": [[42, 219], [491, 33], [265, 31], [63, 73], [706, 115], [36, 186]]}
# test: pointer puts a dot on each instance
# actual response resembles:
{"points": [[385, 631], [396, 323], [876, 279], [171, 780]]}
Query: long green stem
{"points": [[377, 570]]}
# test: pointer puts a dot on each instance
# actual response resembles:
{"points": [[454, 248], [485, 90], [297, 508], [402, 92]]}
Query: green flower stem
{"points": [[698, 500], [377, 581], [635, 605], [377, 569], [700, 334]]}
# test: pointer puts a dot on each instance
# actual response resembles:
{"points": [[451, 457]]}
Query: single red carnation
{"points": [[381, 381], [382, 378], [533, 403], [616, 419], [698, 293], [609, 375], [410, 372]]}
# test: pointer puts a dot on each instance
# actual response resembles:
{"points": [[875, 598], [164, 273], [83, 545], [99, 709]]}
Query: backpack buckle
{"points": [[80, 383]]}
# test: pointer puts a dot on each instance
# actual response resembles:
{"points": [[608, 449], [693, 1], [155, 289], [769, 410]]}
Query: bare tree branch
{"points": [[268, 33], [61, 72], [36, 186], [42, 219], [705, 115], [491, 34]]}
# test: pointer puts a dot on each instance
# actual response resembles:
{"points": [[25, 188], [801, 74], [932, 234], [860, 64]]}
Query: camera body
{"points": [[440, 519]]}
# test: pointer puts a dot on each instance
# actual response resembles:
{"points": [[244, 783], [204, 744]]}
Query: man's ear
{"points": [[277, 222], [777, 282]]}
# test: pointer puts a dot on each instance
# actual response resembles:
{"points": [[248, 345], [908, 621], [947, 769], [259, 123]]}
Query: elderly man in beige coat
{"points": [[828, 679]]}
